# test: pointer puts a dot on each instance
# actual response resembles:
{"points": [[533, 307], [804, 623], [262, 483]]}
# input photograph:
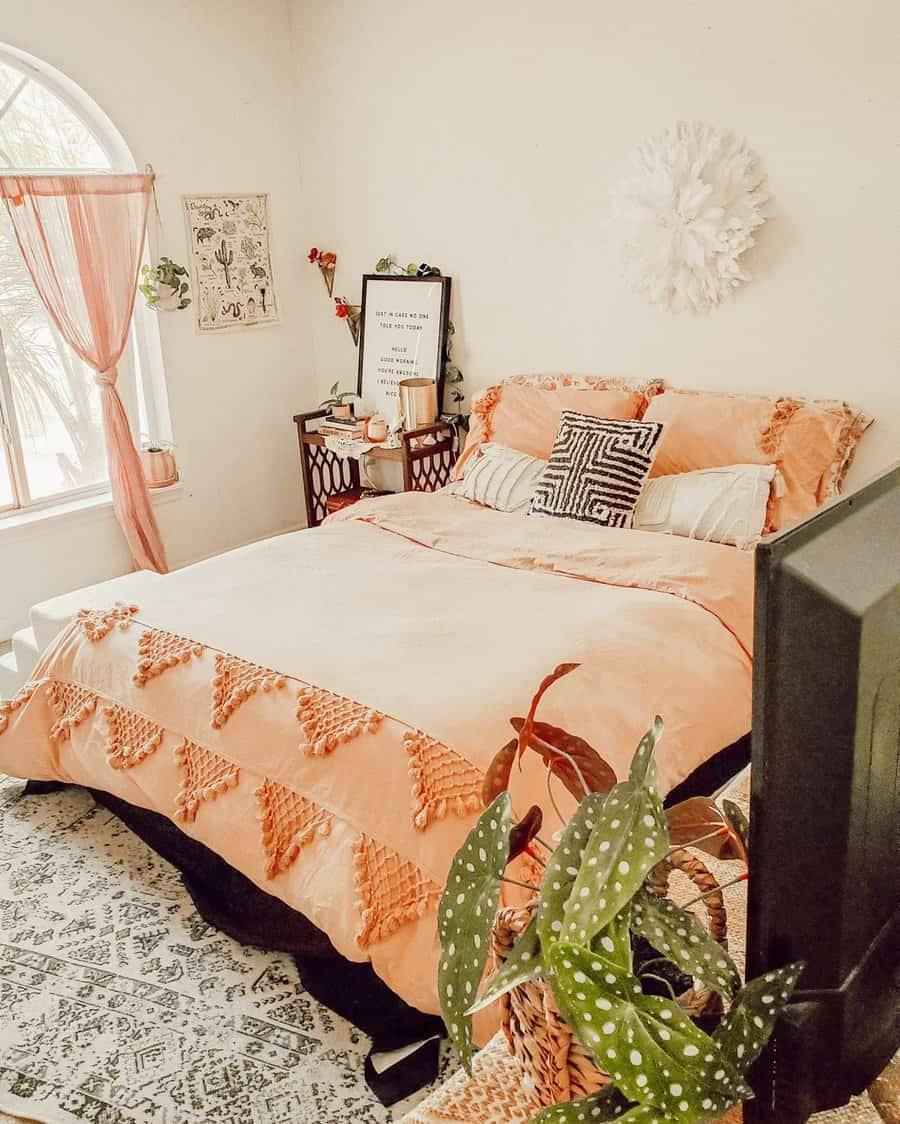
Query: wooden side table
{"points": [[425, 467]]}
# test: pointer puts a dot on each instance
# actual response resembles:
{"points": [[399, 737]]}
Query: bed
{"points": [[318, 709], [285, 705]]}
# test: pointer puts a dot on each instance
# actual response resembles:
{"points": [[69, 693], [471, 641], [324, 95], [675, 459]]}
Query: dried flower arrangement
{"points": [[326, 260], [607, 945], [344, 310]]}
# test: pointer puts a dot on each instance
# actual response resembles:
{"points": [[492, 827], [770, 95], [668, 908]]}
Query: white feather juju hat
{"points": [[686, 215]]}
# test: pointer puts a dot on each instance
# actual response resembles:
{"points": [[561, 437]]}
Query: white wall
{"points": [[485, 136], [202, 90]]}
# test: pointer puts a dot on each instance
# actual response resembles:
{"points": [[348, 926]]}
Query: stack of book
{"points": [[353, 429]]}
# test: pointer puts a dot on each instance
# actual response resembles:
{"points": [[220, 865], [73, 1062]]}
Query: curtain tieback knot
{"points": [[107, 377]]}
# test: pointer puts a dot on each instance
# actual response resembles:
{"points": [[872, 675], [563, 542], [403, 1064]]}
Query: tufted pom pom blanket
{"points": [[319, 708]]}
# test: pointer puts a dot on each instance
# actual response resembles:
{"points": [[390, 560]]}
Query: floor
{"points": [[859, 1112]]}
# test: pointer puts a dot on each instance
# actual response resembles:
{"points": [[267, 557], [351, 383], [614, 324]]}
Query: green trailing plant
{"points": [[454, 394], [336, 398], [165, 272], [602, 939]]}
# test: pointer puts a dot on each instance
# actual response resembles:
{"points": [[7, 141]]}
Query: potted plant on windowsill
{"points": [[597, 974], [158, 461]]}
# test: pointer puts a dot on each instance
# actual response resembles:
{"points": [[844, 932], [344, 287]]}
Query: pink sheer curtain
{"points": [[82, 239]]}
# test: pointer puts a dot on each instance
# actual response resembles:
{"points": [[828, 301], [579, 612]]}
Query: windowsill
{"points": [[45, 517]]}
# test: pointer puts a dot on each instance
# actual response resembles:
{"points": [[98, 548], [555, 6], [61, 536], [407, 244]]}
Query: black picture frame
{"points": [[434, 368]]}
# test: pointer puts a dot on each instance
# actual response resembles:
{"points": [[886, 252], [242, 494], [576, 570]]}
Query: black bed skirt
{"points": [[228, 900]]}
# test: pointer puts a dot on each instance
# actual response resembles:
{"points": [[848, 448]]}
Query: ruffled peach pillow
{"points": [[522, 412], [811, 443]]}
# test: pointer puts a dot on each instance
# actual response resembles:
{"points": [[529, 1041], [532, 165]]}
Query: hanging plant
{"points": [[165, 286]]}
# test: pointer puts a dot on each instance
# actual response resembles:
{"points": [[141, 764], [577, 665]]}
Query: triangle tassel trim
{"points": [[204, 776]]}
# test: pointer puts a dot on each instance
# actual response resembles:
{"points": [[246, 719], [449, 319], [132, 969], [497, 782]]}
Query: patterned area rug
{"points": [[118, 1003]]}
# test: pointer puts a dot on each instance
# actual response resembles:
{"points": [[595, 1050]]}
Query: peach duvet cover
{"points": [[323, 720]]}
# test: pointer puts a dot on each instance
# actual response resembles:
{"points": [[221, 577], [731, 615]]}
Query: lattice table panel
{"points": [[328, 473], [431, 473]]}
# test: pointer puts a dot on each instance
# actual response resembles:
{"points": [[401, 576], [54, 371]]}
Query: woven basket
{"points": [[540, 1038]]}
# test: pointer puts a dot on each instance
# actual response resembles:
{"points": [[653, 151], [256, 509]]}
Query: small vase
{"points": [[160, 469]]}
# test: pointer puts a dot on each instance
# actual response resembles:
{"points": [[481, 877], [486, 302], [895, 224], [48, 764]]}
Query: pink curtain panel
{"points": [[82, 238]]}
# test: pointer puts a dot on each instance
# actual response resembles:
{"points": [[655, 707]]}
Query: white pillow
{"points": [[726, 505], [501, 478]]}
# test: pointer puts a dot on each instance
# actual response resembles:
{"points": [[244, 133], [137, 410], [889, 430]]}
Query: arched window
{"points": [[51, 435]]}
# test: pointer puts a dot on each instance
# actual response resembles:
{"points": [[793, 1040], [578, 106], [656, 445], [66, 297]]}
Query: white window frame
{"points": [[142, 357], [11, 443]]}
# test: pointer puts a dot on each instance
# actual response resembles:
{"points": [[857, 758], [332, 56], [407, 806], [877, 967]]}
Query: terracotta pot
{"points": [[160, 469], [341, 411]]}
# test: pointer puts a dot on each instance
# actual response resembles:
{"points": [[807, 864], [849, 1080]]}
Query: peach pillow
{"points": [[523, 412], [811, 443]]}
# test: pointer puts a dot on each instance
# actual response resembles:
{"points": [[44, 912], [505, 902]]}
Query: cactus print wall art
{"points": [[228, 236]]}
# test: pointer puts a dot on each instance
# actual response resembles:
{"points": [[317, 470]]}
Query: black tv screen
{"points": [[825, 803]]}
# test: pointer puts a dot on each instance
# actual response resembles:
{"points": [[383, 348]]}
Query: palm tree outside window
{"points": [[51, 432]]}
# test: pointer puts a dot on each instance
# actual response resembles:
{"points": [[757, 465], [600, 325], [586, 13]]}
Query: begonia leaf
{"points": [[548, 681], [562, 868], [465, 917], [655, 1054], [523, 964], [682, 939], [745, 1030], [628, 840], [496, 779]]}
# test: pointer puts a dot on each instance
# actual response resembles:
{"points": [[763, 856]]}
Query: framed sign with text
{"points": [[403, 335]]}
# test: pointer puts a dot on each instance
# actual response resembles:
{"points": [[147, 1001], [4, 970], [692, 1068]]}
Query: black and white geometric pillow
{"points": [[597, 469]]}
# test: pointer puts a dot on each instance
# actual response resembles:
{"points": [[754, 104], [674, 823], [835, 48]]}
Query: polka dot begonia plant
{"points": [[593, 909]]}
